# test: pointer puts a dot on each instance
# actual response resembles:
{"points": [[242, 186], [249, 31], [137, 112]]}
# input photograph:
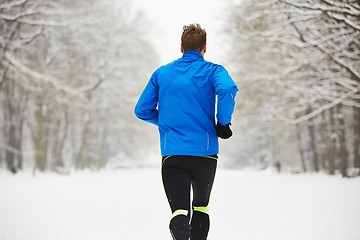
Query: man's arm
{"points": [[146, 107], [225, 89]]}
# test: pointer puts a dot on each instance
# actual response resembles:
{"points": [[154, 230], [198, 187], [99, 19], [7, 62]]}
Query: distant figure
{"points": [[180, 99], [278, 167]]}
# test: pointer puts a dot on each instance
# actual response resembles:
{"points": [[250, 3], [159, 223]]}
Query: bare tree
{"points": [[68, 71], [299, 60]]}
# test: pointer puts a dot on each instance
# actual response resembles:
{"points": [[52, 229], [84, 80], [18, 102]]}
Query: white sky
{"points": [[169, 17]]}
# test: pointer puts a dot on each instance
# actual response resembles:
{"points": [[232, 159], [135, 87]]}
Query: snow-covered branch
{"points": [[11, 4], [42, 78], [17, 16], [348, 21], [318, 111], [344, 8]]}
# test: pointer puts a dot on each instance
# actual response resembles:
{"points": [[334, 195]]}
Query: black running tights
{"points": [[180, 174]]}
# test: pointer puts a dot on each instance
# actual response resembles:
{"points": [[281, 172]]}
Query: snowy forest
{"points": [[298, 67], [71, 72]]}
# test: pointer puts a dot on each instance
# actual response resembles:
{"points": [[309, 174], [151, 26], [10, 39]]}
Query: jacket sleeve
{"points": [[225, 89], [146, 107]]}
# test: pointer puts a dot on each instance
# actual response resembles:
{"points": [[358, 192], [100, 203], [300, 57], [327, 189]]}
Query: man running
{"points": [[180, 98]]}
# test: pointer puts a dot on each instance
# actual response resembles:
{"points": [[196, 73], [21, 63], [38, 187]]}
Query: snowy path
{"points": [[131, 205]]}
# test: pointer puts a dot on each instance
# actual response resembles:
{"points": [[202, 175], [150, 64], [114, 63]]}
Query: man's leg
{"points": [[177, 182], [203, 178]]}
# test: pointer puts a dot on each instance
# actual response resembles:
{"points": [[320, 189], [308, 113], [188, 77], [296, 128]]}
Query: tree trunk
{"points": [[40, 154], [10, 156], [59, 143], [356, 119], [343, 152], [11, 130], [80, 159], [323, 133], [311, 129], [332, 144], [18, 146], [301, 151]]}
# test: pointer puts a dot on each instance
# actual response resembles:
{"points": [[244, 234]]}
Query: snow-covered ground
{"points": [[131, 205]]}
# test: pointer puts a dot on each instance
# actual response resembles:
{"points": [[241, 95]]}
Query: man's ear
{"points": [[205, 48], [181, 49]]}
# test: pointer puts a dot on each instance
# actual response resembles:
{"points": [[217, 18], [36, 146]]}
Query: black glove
{"points": [[223, 132]]}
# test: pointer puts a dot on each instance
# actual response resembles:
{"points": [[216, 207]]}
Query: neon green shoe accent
{"points": [[203, 209], [180, 212]]}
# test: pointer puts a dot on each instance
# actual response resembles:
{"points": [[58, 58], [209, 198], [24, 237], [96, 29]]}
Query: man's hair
{"points": [[193, 37]]}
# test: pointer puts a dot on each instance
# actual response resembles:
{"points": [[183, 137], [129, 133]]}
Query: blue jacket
{"points": [[180, 98]]}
